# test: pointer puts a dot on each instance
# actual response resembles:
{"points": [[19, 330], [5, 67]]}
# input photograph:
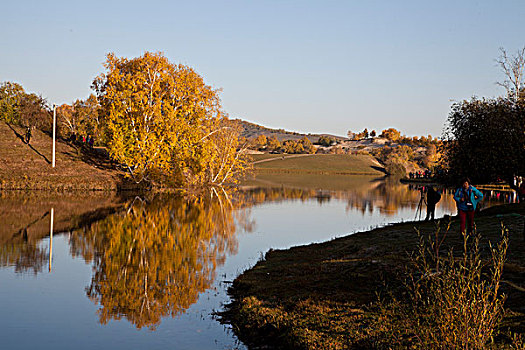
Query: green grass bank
{"points": [[326, 164]]}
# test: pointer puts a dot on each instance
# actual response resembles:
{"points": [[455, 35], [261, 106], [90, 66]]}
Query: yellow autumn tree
{"points": [[391, 134], [164, 124]]}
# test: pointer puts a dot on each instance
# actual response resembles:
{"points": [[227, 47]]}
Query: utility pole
{"points": [[54, 131]]}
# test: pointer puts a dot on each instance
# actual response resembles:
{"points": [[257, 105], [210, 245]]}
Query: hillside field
{"points": [[28, 166], [341, 164]]}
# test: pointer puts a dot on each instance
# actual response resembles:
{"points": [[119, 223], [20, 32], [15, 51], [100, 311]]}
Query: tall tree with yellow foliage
{"points": [[165, 124]]}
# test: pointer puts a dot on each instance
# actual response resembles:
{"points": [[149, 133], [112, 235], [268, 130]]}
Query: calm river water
{"points": [[125, 272]]}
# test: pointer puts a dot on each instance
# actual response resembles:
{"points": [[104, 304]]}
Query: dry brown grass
{"points": [[24, 166]]}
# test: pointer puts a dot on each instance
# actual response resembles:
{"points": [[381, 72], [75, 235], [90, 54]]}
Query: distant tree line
{"points": [[272, 144], [82, 118], [19, 107], [326, 141], [29, 110], [393, 135]]}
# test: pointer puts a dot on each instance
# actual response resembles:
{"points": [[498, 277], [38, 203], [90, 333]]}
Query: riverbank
{"points": [[324, 296]]}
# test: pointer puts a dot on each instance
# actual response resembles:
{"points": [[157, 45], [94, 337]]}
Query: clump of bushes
{"points": [[395, 169], [272, 144], [449, 302], [326, 141], [297, 147], [395, 159]]}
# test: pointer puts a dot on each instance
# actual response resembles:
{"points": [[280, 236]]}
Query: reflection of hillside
{"points": [[387, 197], [25, 218], [359, 183], [154, 259], [27, 212], [371, 194]]}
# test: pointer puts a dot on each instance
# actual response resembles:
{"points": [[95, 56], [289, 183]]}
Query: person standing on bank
{"points": [[433, 197], [467, 198], [28, 135]]}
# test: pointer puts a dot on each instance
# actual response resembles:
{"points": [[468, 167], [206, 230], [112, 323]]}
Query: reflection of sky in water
{"points": [[51, 310]]}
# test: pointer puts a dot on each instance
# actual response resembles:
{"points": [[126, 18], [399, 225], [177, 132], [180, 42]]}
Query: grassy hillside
{"points": [[251, 131], [341, 164], [24, 166]]}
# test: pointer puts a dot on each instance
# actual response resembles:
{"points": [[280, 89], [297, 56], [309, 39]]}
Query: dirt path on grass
{"points": [[282, 158]]}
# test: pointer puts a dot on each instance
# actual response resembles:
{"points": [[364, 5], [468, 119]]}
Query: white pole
{"points": [[51, 238], [54, 131]]}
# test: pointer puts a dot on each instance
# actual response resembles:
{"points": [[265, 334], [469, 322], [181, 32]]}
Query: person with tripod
{"points": [[433, 197], [420, 204], [467, 198]]}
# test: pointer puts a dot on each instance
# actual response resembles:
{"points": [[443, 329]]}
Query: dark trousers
{"points": [[431, 208], [464, 216]]}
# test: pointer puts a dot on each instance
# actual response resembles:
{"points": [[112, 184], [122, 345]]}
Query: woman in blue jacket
{"points": [[467, 198]]}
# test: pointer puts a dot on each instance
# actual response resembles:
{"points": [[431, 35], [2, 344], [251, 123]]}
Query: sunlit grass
{"points": [[319, 163]]}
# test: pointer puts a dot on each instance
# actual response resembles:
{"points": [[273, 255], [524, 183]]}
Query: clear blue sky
{"points": [[310, 66]]}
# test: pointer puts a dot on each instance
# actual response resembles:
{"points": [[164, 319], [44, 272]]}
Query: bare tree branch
{"points": [[514, 69]]}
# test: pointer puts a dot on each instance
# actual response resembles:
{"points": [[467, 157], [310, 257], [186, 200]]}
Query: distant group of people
{"points": [[519, 183], [420, 174], [88, 141], [502, 196]]}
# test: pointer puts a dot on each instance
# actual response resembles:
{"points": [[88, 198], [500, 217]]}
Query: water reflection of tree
{"points": [[388, 197], [153, 258], [156, 257]]}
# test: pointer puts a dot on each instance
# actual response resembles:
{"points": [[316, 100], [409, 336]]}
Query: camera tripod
{"points": [[419, 206]]}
